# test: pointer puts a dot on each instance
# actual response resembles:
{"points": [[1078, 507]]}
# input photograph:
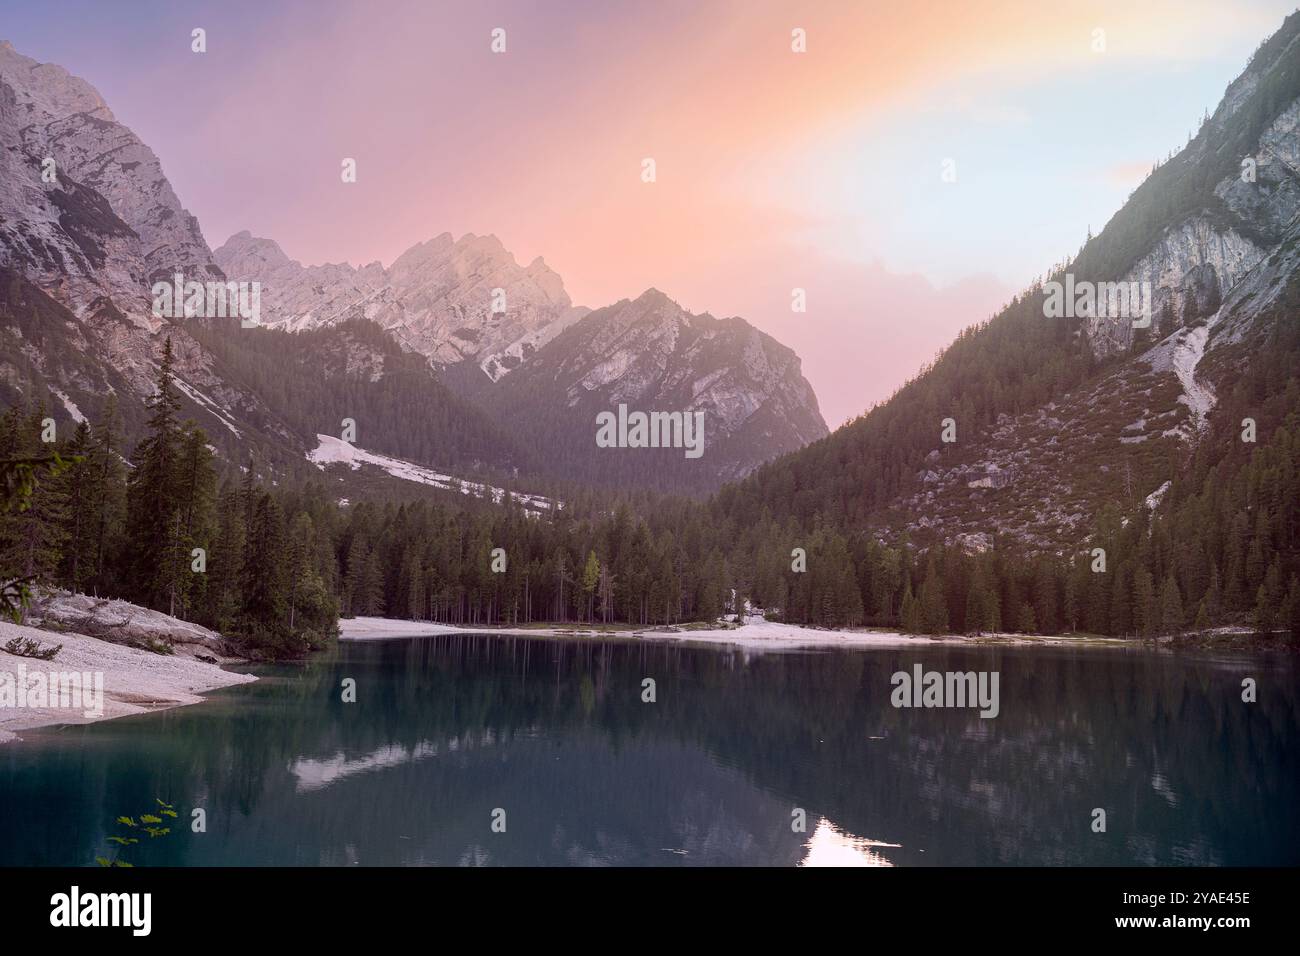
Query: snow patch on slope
{"points": [[1187, 354], [1181, 353], [330, 450], [1153, 499], [207, 404], [70, 405]]}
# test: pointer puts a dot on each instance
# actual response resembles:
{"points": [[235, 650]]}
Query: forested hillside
{"points": [[281, 563], [311, 381], [1012, 363], [157, 530]]}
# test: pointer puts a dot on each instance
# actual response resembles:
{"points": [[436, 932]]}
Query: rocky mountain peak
{"points": [[437, 298], [65, 118], [1271, 52], [652, 297], [650, 353], [251, 257], [46, 88]]}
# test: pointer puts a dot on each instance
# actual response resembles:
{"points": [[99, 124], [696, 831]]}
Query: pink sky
{"points": [[776, 170]]}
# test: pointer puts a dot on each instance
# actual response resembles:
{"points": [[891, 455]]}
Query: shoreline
{"points": [[754, 634], [130, 680]]}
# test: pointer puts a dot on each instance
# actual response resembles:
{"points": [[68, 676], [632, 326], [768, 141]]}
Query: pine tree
{"points": [[1289, 617], [605, 589], [1202, 622], [154, 520], [108, 496], [372, 585], [1171, 607], [32, 536], [77, 561], [590, 577], [1268, 599], [561, 575], [1070, 612], [1121, 602], [312, 611], [910, 614], [354, 569], [196, 490], [226, 565], [1213, 599], [934, 607], [981, 604], [265, 611], [1145, 612], [1044, 592]]}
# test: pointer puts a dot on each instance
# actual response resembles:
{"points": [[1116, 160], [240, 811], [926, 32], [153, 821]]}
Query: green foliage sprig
{"points": [[148, 823]]}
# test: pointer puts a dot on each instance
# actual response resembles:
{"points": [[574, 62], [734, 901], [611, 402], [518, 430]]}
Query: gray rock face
{"points": [[1185, 263], [1273, 199], [63, 117], [94, 234], [446, 290], [652, 355], [1246, 216], [61, 234]]}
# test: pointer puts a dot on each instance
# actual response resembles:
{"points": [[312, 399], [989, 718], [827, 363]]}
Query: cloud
{"points": [[1128, 174]]}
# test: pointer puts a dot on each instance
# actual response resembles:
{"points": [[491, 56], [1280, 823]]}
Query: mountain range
{"points": [[454, 356]]}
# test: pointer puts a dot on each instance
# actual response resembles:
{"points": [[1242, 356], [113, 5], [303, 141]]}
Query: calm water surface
{"points": [[447, 729]]}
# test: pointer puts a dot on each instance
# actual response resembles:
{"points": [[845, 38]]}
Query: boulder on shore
{"points": [[124, 623]]}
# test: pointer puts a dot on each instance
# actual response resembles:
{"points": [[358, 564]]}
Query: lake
{"points": [[452, 738]]}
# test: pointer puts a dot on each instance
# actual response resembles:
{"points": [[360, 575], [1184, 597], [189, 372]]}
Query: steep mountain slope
{"points": [[63, 117], [48, 354], [66, 239], [1057, 419], [77, 266], [650, 354]]}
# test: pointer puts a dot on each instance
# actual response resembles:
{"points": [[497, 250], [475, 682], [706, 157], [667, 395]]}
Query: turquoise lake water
{"points": [[551, 738]]}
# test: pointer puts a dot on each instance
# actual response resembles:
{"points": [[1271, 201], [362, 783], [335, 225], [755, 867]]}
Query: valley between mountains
{"points": [[417, 440]]}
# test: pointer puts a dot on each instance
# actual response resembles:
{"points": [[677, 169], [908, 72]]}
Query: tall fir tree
{"points": [[154, 518]]}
